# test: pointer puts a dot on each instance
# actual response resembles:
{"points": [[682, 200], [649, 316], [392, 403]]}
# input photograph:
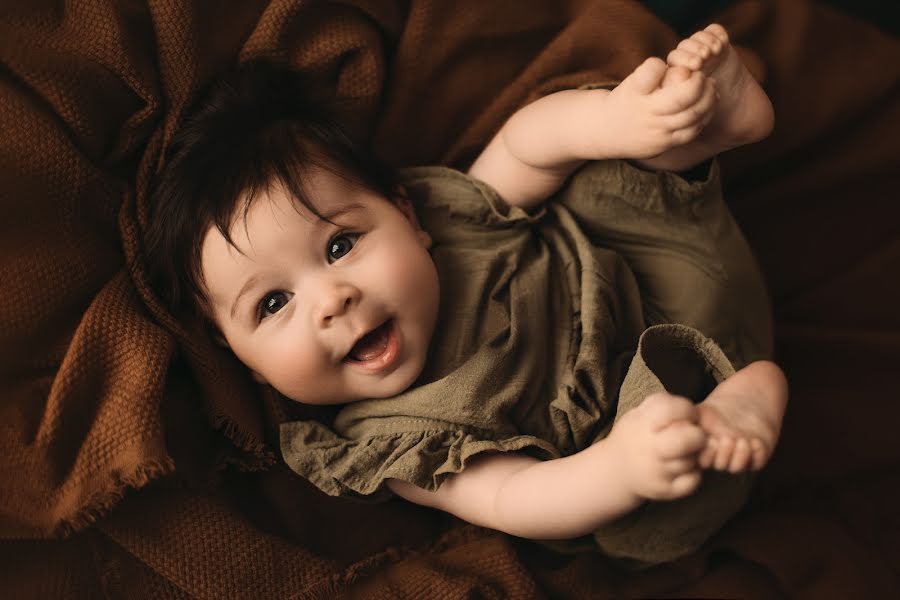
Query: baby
{"points": [[423, 307]]}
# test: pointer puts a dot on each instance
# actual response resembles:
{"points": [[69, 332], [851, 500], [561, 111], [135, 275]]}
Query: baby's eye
{"points": [[340, 245], [271, 304]]}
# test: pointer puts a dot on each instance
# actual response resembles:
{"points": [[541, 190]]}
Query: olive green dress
{"points": [[551, 324]]}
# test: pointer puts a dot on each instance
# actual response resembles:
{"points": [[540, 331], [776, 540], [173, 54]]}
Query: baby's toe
{"points": [[759, 453], [709, 40], [693, 46], [741, 459], [708, 454], [683, 58], [718, 31], [723, 454]]}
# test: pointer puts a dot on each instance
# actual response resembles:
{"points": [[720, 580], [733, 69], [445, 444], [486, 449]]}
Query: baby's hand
{"points": [[659, 442], [653, 110]]}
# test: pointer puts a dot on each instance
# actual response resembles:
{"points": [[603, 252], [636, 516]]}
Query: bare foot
{"points": [[742, 418], [744, 113], [642, 118]]}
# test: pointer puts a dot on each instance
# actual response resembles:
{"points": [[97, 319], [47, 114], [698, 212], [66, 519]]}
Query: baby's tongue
{"points": [[372, 344]]}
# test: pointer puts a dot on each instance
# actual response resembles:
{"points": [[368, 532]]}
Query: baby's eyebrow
{"points": [[340, 211]]}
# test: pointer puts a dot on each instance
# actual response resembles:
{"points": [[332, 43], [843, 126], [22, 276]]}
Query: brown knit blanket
{"points": [[137, 460]]}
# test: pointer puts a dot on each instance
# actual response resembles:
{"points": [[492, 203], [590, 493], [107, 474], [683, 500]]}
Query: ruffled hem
{"points": [[359, 468]]}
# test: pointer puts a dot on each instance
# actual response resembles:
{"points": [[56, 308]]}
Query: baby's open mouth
{"points": [[372, 345]]}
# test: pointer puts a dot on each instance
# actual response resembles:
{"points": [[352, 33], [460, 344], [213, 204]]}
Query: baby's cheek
{"points": [[413, 273], [302, 375]]}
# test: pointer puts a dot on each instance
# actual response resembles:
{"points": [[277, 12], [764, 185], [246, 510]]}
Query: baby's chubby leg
{"points": [[742, 418]]}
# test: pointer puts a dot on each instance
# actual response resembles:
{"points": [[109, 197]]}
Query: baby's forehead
{"points": [[318, 193], [324, 204], [266, 223]]}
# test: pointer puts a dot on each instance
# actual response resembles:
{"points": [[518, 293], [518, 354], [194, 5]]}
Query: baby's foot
{"points": [[642, 118], [744, 112], [742, 418]]}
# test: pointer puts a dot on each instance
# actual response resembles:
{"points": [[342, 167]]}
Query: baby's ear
{"points": [[401, 199]]}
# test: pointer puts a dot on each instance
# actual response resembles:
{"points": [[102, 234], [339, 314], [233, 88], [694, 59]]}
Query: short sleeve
{"points": [[358, 467]]}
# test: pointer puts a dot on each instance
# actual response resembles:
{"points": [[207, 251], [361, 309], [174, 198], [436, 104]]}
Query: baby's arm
{"points": [[544, 142], [651, 453]]}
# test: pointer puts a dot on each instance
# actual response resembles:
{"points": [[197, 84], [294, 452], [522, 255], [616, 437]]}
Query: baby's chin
{"points": [[393, 385], [396, 383]]}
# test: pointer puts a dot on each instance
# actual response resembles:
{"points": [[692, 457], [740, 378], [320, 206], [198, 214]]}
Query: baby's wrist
{"points": [[584, 126], [557, 132], [622, 481]]}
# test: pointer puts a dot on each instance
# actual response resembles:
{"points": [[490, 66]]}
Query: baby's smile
{"points": [[327, 311], [377, 350]]}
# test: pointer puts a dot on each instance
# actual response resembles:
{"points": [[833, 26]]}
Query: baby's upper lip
{"points": [[361, 335]]}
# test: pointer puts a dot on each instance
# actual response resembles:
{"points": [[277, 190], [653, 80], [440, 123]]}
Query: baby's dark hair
{"points": [[258, 125]]}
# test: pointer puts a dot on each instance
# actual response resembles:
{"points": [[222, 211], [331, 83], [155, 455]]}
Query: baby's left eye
{"points": [[340, 245]]}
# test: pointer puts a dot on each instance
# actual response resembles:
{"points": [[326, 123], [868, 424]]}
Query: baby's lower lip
{"points": [[387, 357]]}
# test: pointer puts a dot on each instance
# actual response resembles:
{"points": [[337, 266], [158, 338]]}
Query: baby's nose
{"points": [[336, 303]]}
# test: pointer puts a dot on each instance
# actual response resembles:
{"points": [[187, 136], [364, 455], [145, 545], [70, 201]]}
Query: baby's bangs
{"points": [[284, 162]]}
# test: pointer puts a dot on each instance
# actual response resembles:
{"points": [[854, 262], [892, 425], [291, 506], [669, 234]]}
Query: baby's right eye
{"points": [[271, 304]]}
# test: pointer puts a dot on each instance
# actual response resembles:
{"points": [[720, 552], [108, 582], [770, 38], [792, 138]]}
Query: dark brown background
{"points": [[137, 461]]}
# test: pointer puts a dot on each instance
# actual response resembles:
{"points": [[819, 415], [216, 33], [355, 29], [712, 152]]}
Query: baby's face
{"points": [[325, 313]]}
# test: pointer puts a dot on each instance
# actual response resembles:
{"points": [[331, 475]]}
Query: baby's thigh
{"points": [[712, 284], [691, 262]]}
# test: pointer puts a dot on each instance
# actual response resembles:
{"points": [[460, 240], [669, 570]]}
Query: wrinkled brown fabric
{"points": [[168, 475]]}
